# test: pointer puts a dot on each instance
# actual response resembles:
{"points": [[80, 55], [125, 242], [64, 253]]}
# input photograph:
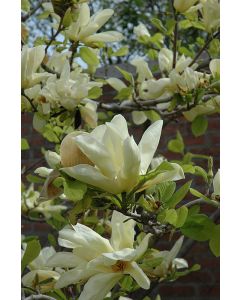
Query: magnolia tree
{"points": [[109, 199]]}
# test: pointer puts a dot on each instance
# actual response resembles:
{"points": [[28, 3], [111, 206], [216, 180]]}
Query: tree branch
{"points": [[31, 12], [204, 47], [60, 28]]}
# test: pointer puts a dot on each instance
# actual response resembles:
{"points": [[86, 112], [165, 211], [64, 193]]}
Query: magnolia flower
{"points": [[216, 183], [85, 27], [31, 59], [165, 61], [39, 269], [214, 67], [57, 61], [169, 261], [141, 30], [68, 91], [99, 262], [116, 161], [211, 14], [142, 69], [186, 81], [183, 5], [210, 107], [154, 89]]}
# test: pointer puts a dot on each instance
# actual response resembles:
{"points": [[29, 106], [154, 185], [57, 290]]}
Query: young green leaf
{"points": [[32, 251], [199, 125], [179, 195], [214, 242]]}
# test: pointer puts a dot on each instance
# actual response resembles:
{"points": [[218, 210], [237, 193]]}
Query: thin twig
{"points": [[30, 101], [175, 35], [31, 12], [60, 28], [204, 47]]}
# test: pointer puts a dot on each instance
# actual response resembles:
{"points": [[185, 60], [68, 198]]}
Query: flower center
{"points": [[120, 266]]}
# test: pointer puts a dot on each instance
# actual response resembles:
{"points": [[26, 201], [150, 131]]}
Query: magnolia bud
{"points": [[70, 153]]}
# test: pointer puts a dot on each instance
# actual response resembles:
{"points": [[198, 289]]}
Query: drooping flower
{"points": [[40, 271], [117, 162], [85, 27], [142, 69], [100, 262], [31, 59]]}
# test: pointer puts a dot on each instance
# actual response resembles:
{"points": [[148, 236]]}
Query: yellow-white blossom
{"points": [[141, 30], [31, 59], [116, 160], [39, 269], [89, 113], [85, 27], [69, 90], [183, 5], [154, 89], [100, 262], [211, 14], [142, 69]]}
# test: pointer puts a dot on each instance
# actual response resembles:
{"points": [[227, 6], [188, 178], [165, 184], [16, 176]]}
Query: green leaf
{"points": [[166, 190], [145, 204], [128, 76], [57, 294], [24, 144], [200, 195], [198, 227], [39, 122], [74, 190], [171, 216], [89, 56], [126, 283], [179, 195], [67, 19], [124, 94], [214, 242], [121, 52], [158, 24], [32, 251], [25, 5], [176, 145], [95, 92], [52, 240], [199, 125], [182, 214], [34, 179]]}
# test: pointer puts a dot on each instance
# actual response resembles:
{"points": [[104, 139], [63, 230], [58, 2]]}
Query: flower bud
{"points": [[70, 153]]}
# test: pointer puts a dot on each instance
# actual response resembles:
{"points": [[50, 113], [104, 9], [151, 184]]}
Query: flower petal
{"points": [[65, 260], [149, 143], [107, 36], [116, 83], [122, 232], [137, 273], [92, 176], [70, 277], [99, 285]]}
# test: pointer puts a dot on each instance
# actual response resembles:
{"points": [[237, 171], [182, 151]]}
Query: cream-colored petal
{"points": [[122, 232], [139, 117], [99, 285], [173, 175], [143, 246], [65, 260], [116, 83], [92, 176], [137, 273], [149, 143], [70, 277], [101, 17], [97, 152], [107, 36]]}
